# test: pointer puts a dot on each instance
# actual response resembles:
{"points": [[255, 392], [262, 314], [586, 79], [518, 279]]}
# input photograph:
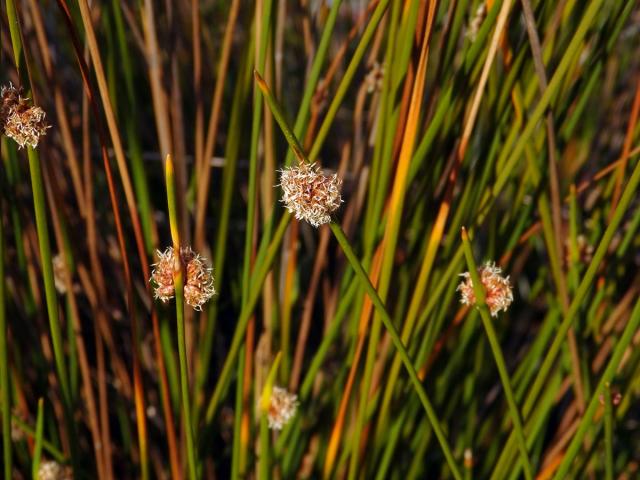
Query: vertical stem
{"points": [[608, 433], [5, 401], [41, 222], [37, 450], [265, 405], [236, 463], [404, 356], [497, 355], [47, 272], [178, 283], [263, 461]]}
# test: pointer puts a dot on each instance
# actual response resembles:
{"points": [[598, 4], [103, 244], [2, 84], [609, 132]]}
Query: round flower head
{"points": [[309, 194], [282, 408], [50, 470], [19, 120], [375, 78], [498, 294], [198, 286]]}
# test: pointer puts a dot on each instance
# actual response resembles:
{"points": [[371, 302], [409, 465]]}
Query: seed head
{"points": [[498, 294], [198, 286], [282, 408], [309, 194], [50, 470], [19, 120]]}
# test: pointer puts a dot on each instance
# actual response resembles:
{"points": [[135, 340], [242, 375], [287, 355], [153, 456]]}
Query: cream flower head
{"points": [[309, 194], [198, 285], [498, 294], [282, 408], [19, 120]]}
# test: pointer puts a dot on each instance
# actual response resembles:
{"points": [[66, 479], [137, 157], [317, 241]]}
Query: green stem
{"points": [[252, 198], [386, 320], [178, 283], [37, 450], [5, 400], [607, 377], [41, 218], [608, 433], [46, 445], [47, 272], [497, 355], [277, 113], [258, 277], [265, 405], [263, 460], [184, 376], [237, 464]]}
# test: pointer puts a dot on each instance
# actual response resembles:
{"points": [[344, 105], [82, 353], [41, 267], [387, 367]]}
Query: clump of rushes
{"points": [[50, 470], [20, 120], [309, 194], [282, 408], [198, 288], [498, 289]]}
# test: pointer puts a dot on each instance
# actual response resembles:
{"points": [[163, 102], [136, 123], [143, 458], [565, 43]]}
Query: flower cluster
{"points": [[198, 285], [60, 274], [476, 22], [309, 194], [375, 78], [50, 470], [282, 408], [19, 120], [498, 294]]}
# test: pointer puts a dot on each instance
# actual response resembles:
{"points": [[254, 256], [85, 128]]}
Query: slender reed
{"points": [[608, 433], [41, 219], [498, 356], [5, 400], [178, 283], [39, 433], [265, 405]]}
